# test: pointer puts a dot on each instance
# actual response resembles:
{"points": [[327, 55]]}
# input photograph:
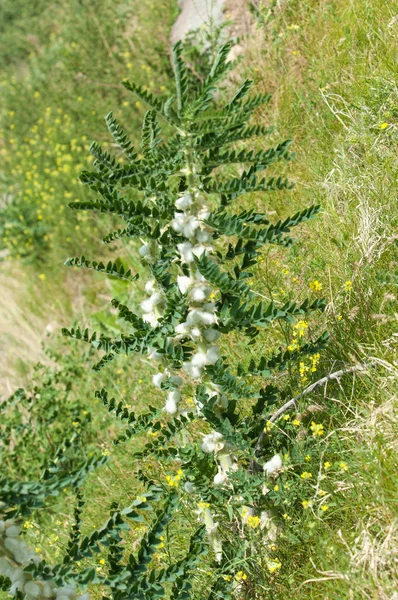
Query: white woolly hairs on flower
{"points": [[192, 370], [273, 465], [178, 222], [147, 305], [190, 227], [183, 329], [185, 250], [173, 399], [220, 478], [199, 359], [150, 286], [184, 201], [203, 236], [199, 293], [158, 379], [212, 442], [185, 283], [197, 316], [151, 319]]}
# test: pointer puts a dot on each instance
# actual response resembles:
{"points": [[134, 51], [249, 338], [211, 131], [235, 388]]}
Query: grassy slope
{"points": [[332, 69], [332, 79], [62, 64]]}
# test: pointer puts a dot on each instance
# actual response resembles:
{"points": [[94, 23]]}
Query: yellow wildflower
{"points": [[383, 125], [317, 429], [240, 576], [343, 466], [253, 522], [306, 475], [306, 504], [324, 507], [315, 286]]}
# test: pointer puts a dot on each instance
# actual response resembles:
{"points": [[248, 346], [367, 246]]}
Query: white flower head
{"points": [[159, 378], [150, 286], [184, 201], [199, 359], [173, 399], [185, 250], [213, 442], [273, 465], [178, 222], [184, 283], [220, 478]]}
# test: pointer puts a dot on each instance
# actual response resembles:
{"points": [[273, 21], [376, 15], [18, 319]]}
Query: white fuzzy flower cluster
{"points": [[15, 555], [152, 306], [215, 442], [201, 320], [274, 464]]}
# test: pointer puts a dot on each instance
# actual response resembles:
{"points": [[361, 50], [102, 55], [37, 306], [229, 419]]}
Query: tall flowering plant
{"points": [[199, 250]]}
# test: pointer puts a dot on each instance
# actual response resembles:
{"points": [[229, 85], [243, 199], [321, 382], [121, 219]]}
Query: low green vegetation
{"points": [[331, 70]]}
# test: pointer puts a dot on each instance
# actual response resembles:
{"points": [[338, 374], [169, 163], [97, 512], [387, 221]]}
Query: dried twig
{"points": [[292, 403]]}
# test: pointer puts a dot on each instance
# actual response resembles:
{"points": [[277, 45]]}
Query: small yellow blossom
{"points": [[322, 493], [306, 475], [306, 504], [240, 576], [339, 317], [276, 488], [105, 453], [300, 327], [296, 422], [101, 561], [28, 525], [315, 286], [324, 507], [343, 466], [317, 429], [253, 522], [274, 565], [227, 577], [308, 457], [42, 276], [383, 125], [347, 286], [327, 464]]}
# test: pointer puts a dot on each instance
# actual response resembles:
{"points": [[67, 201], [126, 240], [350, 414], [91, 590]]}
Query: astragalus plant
{"points": [[200, 252]]}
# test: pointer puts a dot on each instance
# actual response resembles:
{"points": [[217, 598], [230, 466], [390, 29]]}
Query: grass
{"points": [[332, 70]]}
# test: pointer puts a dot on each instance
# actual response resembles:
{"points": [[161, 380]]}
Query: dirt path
{"points": [[194, 14]]}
